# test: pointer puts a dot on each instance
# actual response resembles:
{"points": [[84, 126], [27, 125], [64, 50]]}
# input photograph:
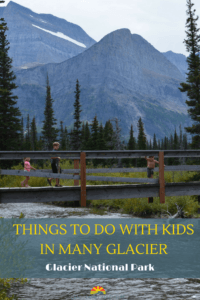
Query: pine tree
{"points": [[108, 135], [131, 142], [166, 143], [49, 131], [101, 140], [141, 135], [10, 124], [94, 134], [176, 142], [117, 140], [87, 138], [141, 141], [76, 133], [131, 146], [33, 135], [192, 85]]}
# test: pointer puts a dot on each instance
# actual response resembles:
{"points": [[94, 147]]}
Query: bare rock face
{"points": [[121, 76], [40, 38], [179, 60]]}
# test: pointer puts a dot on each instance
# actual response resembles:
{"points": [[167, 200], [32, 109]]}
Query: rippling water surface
{"points": [[60, 289]]}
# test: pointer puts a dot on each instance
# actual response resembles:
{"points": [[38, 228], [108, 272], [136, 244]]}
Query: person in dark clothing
{"points": [[55, 165]]}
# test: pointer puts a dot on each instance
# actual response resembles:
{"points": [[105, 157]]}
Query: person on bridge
{"points": [[27, 168], [55, 165], [151, 165]]}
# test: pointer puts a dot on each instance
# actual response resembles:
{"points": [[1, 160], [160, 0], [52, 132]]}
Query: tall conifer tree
{"points": [[87, 138], [192, 85], [76, 133], [33, 135], [108, 134], [49, 130], [101, 139], [10, 124], [94, 134], [131, 146], [141, 141]]}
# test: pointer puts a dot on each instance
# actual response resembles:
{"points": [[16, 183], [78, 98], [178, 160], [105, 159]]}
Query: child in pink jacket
{"points": [[27, 168]]}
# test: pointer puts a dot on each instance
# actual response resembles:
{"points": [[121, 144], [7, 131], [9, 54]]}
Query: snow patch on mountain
{"points": [[61, 35]]}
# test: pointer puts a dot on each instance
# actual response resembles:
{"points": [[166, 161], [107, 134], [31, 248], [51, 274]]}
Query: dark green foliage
{"points": [[165, 144], [176, 142], [76, 133], [10, 124], [101, 144], [87, 138], [141, 145], [130, 146], [185, 143], [64, 142], [131, 142], [192, 85], [94, 134], [94, 138], [108, 135], [33, 135], [49, 131], [141, 135]]}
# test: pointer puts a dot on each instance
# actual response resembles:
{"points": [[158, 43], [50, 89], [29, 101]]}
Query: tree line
{"points": [[15, 135]]}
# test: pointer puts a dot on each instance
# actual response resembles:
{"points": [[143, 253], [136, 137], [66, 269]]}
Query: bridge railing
{"points": [[156, 187]]}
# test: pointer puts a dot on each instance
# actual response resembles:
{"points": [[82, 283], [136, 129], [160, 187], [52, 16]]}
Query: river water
{"points": [[77, 288]]}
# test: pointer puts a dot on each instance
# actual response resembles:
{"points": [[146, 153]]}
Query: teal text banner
{"points": [[88, 248]]}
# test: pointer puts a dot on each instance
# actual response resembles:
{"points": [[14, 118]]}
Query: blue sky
{"points": [[160, 22]]}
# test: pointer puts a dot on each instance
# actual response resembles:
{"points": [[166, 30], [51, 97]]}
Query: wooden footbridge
{"points": [[83, 192]]}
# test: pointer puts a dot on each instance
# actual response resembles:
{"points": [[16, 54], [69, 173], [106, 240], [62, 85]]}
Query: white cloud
{"points": [[61, 35]]}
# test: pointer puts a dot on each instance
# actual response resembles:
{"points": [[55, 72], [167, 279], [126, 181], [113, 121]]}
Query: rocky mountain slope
{"points": [[179, 60], [121, 76], [40, 38]]}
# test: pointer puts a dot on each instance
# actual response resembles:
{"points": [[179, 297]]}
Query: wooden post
{"points": [[161, 177], [83, 179], [76, 166]]}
